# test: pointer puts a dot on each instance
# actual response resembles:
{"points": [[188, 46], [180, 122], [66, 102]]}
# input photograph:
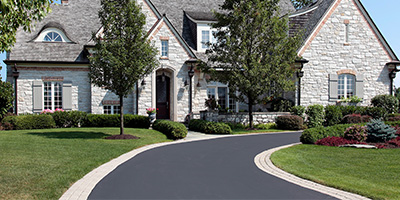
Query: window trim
{"points": [[52, 95], [346, 84], [112, 109], [163, 42], [215, 85], [43, 34]]}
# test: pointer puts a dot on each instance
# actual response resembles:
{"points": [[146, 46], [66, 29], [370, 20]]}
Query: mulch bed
{"points": [[122, 137]]}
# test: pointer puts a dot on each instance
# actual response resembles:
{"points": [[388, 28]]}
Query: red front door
{"points": [[163, 96]]}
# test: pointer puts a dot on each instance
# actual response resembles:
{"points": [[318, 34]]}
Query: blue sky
{"points": [[383, 12]]}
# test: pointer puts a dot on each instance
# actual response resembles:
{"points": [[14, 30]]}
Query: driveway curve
{"points": [[212, 169]]}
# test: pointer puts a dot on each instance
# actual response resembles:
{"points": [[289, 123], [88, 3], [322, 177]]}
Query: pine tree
{"points": [[123, 55]]}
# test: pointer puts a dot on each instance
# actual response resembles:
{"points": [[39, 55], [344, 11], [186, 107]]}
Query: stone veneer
{"points": [[328, 53], [242, 117]]}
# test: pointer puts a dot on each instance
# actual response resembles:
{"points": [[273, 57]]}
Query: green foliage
{"points": [[173, 130], [197, 125], [316, 116], [15, 14], [298, 110], [352, 99], [253, 50], [388, 102], [266, 126], [217, 128], [289, 122], [66, 119], [355, 119], [102, 120], [311, 135], [236, 125], [123, 55], [6, 97], [375, 112], [333, 115], [378, 131], [30, 121], [356, 132], [281, 105]]}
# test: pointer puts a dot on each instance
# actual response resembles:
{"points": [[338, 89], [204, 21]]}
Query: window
{"points": [[112, 109], [205, 35], [346, 86], [220, 92], [205, 38], [52, 95], [52, 37], [164, 48]]}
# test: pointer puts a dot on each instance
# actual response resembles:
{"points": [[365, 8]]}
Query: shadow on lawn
{"points": [[71, 135]]}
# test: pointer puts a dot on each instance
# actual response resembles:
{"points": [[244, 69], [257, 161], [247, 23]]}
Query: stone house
{"points": [[49, 66]]}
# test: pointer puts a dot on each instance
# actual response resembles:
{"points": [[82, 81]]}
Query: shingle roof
{"points": [[78, 19]]}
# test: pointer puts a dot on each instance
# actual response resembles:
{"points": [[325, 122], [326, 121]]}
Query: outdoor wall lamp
{"points": [[299, 66], [392, 67], [191, 63]]}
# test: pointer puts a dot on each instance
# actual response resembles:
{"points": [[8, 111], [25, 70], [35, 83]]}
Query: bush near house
{"points": [[388, 102], [316, 116], [209, 127], [311, 135], [289, 122], [355, 119], [67, 119], [29, 121], [130, 121], [299, 111], [173, 130], [197, 125]]}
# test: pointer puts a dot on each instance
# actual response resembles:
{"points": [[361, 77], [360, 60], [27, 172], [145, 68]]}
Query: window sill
{"points": [[164, 58], [346, 44]]}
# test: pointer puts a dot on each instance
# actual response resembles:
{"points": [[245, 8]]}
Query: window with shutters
{"points": [[52, 95], [346, 86]]}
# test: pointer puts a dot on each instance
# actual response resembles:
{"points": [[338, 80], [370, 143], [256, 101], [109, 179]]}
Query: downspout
{"points": [[137, 98], [15, 74]]}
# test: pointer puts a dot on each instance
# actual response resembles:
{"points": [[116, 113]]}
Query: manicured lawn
{"points": [[43, 164], [374, 173], [244, 131]]}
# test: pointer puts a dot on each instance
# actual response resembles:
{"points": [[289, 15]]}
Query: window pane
{"points": [[211, 93], [222, 97], [164, 48], [117, 109], [57, 95], [107, 110], [53, 37], [205, 38], [47, 95]]}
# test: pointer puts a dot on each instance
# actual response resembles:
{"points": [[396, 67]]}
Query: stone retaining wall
{"points": [[241, 117]]}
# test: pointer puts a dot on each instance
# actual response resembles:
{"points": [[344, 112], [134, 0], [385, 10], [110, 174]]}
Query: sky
{"points": [[383, 13]]}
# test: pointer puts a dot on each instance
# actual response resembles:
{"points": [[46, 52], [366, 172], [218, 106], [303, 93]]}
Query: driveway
{"points": [[212, 169]]}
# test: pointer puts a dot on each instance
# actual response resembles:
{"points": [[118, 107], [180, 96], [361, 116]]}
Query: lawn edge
{"points": [[264, 163]]}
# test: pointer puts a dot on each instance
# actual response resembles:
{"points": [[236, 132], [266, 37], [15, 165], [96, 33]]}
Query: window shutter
{"points": [[67, 95], [333, 87], [37, 96], [360, 86]]}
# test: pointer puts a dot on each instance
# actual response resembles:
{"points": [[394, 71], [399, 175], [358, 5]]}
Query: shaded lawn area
{"points": [[43, 164], [244, 131], [374, 173]]}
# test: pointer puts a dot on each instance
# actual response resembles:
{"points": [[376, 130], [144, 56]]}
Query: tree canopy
{"points": [[122, 54], [19, 13], [253, 54]]}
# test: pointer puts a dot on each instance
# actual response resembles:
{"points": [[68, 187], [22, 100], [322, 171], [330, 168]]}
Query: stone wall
{"points": [[241, 117], [329, 53]]}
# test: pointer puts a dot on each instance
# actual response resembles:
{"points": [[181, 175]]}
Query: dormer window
{"points": [[53, 37]]}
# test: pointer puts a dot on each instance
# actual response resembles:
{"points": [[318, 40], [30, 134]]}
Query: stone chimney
{"points": [[64, 2]]}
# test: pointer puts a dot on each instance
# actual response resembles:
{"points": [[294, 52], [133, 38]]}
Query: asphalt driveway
{"points": [[213, 169]]}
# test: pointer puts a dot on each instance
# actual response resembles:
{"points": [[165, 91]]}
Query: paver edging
{"points": [[264, 163]]}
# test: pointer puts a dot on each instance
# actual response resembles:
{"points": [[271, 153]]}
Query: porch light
{"points": [[392, 67], [191, 62], [299, 66], [143, 83]]}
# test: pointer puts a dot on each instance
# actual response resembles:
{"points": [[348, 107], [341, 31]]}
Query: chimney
{"points": [[64, 2]]}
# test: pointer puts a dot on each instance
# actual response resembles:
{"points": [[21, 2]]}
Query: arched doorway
{"points": [[163, 96]]}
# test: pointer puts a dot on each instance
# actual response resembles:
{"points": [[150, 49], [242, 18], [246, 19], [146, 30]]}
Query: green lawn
{"points": [[374, 173], [244, 131], [43, 164]]}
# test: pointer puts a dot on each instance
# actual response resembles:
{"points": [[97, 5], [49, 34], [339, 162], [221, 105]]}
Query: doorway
{"points": [[163, 97]]}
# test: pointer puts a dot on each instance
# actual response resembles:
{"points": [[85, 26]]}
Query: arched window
{"points": [[52, 37], [346, 86]]}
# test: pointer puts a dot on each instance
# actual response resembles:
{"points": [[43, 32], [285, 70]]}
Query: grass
{"points": [[373, 173], [43, 164], [244, 131]]}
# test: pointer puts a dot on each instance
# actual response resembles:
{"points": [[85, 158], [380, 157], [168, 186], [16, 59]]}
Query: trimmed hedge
{"points": [[316, 115], [209, 127], [66, 119], [388, 102], [130, 121], [312, 135], [173, 130], [289, 122], [23, 122]]}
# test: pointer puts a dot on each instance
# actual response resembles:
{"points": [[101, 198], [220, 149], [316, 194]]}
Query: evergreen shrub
{"points": [[378, 131], [333, 115], [130, 121], [289, 122], [315, 116], [30, 121], [197, 125], [311, 135], [298, 110], [173, 130], [217, 128], [266, 126], [388, 102]]}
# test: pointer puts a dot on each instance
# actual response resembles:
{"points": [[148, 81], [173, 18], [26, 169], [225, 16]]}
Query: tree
{"points": [[123, 55], [6, 98], [19, 13], [253, 54]]}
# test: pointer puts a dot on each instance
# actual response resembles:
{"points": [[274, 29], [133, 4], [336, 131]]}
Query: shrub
{"points": [[298, 110], [311, 135], [23, 122], [395, 142], [281, 105], [333, 115], [375, 112], [131, 121], [355, 119], [236, 125], [388, 102], [217, 128], [316, 116], [289, 122], [266, 126], [333, 141], [378, 131], [197, 125], [356, 132], [173, 130], [6, 98], [393, 117]]}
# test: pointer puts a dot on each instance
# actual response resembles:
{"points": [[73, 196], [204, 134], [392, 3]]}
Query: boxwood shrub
{"points": [[289, 122], [316, 115], [209, 127], [130, 121], [66, 119], [173, 130], [197, 125], [30, 121]]}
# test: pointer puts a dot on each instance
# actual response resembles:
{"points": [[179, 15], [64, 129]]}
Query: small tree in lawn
{"points": [[122, 54], [253, 54]]}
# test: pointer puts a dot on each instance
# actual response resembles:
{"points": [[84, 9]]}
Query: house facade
{"points": [[346, 53]]}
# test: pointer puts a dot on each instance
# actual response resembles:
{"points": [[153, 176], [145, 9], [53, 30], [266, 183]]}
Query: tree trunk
{"points": [[251, 115], [121, 115]]}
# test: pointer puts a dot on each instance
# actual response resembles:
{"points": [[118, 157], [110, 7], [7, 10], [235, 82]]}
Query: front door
{"points": [[163, 96]]}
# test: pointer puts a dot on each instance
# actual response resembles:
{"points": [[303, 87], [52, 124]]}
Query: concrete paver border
{"points": [[264, 163]]}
